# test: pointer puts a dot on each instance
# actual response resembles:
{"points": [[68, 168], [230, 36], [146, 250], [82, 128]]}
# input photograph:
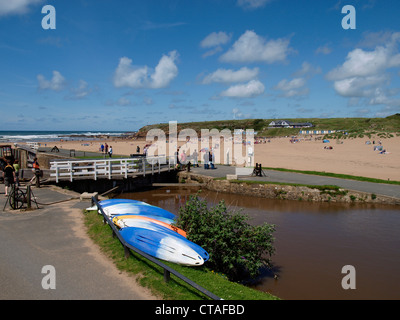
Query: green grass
{"points": [[324, 189], [355, 127], [336, 175], [151, 275]]}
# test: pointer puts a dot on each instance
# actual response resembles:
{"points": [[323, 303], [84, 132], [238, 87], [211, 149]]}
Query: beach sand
{"points": [[353, 157]]}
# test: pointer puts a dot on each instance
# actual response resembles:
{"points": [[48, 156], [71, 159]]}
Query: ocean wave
{"points": [[32, 136]]}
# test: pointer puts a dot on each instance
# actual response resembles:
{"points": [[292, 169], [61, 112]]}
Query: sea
{"points": [[37, 136]]}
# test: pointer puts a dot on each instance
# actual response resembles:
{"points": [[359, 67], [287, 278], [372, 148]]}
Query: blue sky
{"points": [[119, 65]]}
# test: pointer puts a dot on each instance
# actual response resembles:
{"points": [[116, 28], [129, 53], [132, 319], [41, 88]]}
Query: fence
{"points": [[109, 168], [167, 270]]}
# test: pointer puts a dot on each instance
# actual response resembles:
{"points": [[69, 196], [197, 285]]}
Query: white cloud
{"points": [[16, 6], [252, 4], [123, 102], [297, 87], [291, 85], [292, 88], [165, 71], [359, 86], [360, 63], [215, 39], [251, 89], [323, 50], [365, 74], [229, 75], [307, 69], [250, 47], [57, 83], [141, 77], [210, 53], [82, 91]]}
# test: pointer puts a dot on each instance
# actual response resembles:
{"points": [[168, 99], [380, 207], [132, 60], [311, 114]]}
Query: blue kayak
{"points": [[114, 207], [164, 244]]}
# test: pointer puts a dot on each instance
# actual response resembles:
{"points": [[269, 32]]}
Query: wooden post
{"points": [[28, 196], [70, 171], [127, 252], [167, 275]]}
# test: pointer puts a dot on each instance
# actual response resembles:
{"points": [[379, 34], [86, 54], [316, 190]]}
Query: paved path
{"points": [[390, 190], [54, 235]]}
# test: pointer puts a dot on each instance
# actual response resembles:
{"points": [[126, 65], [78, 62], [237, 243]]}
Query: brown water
{"points": [[313, 242]]}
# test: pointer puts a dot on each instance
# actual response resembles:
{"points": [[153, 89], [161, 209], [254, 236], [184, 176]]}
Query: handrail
{"points": [[167, 269], [106, 168]]}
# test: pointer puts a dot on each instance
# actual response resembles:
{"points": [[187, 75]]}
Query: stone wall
{"points": [[288, 192]]}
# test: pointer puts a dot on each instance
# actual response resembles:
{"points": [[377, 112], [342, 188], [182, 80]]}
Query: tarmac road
{"points": [[53, 235]]}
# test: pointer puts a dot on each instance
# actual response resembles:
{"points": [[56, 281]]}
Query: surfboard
{"points": [[163, 243], [123, 221]]}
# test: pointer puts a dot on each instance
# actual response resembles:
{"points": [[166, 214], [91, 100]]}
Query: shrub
{"points": [[236, 248]]}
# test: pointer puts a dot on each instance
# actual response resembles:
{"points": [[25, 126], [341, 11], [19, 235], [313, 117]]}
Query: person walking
{"points": [[37, 173], [206, 159], [16, 168], [195, 156], [8, 176], [210, 160]]}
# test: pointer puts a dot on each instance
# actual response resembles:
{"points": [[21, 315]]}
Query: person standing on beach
{"points": [[195, 156], [36, 170], [206, 158], [110, 152], [9, 176], [16, 168], [106, 148], [210, 159]]}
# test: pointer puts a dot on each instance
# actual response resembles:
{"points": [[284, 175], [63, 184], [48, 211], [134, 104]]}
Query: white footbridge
{"points": [[112, 168]]}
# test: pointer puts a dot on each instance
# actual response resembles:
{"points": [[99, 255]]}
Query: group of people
{"points": [[106, 150], [11, 174], [184, 159], [209, 160]]}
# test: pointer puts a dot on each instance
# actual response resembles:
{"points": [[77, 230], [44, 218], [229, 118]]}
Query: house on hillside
{"points": [[289, 124]]}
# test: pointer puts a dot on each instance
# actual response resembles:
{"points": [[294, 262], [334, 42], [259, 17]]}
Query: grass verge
{"points": [[152, 276], [336, 175]]}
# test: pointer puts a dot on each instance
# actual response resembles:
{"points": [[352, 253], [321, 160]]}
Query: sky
{"points": [[119, 65]]}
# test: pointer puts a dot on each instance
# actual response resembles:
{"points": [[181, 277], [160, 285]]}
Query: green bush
{"points": [[236, 248]]}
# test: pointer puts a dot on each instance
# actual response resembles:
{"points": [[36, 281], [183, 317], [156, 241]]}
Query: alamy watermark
{"points": [[49, 20], [49, 280], [349, 20], [349, 280], [212, 146]]}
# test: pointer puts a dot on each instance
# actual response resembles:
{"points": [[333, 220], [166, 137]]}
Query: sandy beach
{"points": [[353, 156]]}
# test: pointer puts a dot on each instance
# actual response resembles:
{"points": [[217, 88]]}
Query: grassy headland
{"points": [[354, 127]]}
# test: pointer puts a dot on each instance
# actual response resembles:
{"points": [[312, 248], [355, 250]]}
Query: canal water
{"points": [[313, 242]]}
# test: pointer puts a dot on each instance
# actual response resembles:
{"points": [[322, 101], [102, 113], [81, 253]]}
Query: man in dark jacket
{"points": [[9, 176]]}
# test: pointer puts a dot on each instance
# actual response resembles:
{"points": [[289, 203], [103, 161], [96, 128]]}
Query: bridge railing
{"points": [[109, 168]]}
